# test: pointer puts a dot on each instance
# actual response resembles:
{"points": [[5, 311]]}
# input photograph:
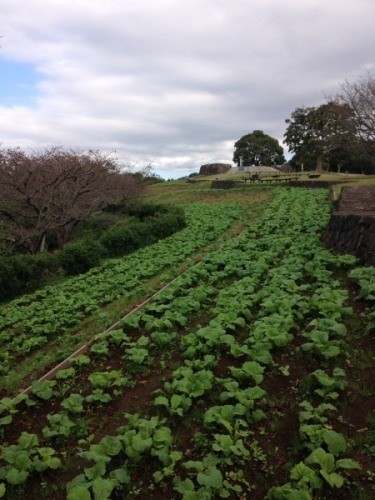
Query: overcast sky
{"points": [[171, 83]]}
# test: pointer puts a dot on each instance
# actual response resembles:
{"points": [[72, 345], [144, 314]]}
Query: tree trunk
{"points": [[64, 233], [42, 246], [319, 163]]}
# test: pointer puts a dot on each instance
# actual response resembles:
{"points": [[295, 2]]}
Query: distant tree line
{"points": [[337, 135]]}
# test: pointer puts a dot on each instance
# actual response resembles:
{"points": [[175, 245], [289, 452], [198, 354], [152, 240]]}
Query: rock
{"points": [[214, 168]]}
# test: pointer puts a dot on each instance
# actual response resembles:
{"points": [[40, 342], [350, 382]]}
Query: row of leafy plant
{"points": [[261, 293], [32, 320], [192, 382]]}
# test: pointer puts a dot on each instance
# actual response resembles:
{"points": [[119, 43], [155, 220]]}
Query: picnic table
{"points": [[269, 179]]}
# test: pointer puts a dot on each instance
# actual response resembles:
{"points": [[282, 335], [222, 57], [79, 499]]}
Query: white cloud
{"points": [[176, 83]]}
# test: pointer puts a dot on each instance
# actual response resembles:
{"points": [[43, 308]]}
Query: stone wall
{"points": [[223, 184], [354, 234], [351, 228]]}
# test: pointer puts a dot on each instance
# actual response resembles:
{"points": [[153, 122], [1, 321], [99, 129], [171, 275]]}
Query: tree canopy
{"points": [[320, 132], [258, 148]]}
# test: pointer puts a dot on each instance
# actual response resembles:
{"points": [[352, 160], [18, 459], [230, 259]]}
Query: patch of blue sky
{"points": [[18, 83]]}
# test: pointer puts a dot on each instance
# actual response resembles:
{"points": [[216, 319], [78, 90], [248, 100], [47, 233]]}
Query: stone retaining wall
{"points": [[351, 228]]}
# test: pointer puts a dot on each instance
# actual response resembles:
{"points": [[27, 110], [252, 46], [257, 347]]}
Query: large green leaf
{"points": [[15, 476], [79, 493], [348, 463], [336, 442], [211, 477], [102, 488], [333, 479]]}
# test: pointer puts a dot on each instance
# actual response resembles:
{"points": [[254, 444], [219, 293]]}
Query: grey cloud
{"points": [[176, 83]]}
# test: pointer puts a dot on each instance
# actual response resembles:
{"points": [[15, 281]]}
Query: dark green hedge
{"points": [[78, 258], [126, 238], [24, 273]]}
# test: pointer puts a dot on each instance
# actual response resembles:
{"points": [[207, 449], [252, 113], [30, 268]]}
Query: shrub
{"points": [[47, 263], [77, 258], [142, 211], [24, 273], [123, 239], [93, 227], [9, 284]]}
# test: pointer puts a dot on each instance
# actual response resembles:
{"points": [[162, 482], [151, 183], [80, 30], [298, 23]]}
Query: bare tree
{"points": [[56, 189], [360, 97]]}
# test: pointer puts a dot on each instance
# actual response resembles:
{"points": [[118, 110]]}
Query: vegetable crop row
{"points": [[32, 320], [262, 291]]}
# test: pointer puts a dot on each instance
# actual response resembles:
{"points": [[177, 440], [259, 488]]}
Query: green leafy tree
{"points": [[320, 132], [258, 148]]}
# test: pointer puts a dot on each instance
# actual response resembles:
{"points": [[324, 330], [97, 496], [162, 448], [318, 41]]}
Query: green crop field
{"points": [[233, 359]]}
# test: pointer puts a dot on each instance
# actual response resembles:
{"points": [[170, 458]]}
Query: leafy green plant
{"points": [[245, 397], [65, 374], [249, 370], [81, 360], [176, 405], [99, 348], [186, 381], [73, 404], [317, 414], [168, 470], [118, 337], [164, 339], [26, 457], [207, 361], [105, 380], [365, 276], [8, 408], [327, 466], [98, 396], [209, 480], [316, 435], [231, 448], [60, 425], [43, 389], [320, 343], [137, 355], [308, 476], [330, 385], [227, 416]]}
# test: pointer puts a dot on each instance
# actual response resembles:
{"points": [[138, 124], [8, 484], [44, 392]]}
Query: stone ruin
{"points": [[214, 168]]}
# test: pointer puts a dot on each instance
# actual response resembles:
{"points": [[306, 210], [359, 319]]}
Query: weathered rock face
{"points": [[214, 168], [351, 228]]}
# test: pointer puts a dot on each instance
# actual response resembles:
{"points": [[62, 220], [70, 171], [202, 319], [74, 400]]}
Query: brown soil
{"points": [[358, 200]]}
